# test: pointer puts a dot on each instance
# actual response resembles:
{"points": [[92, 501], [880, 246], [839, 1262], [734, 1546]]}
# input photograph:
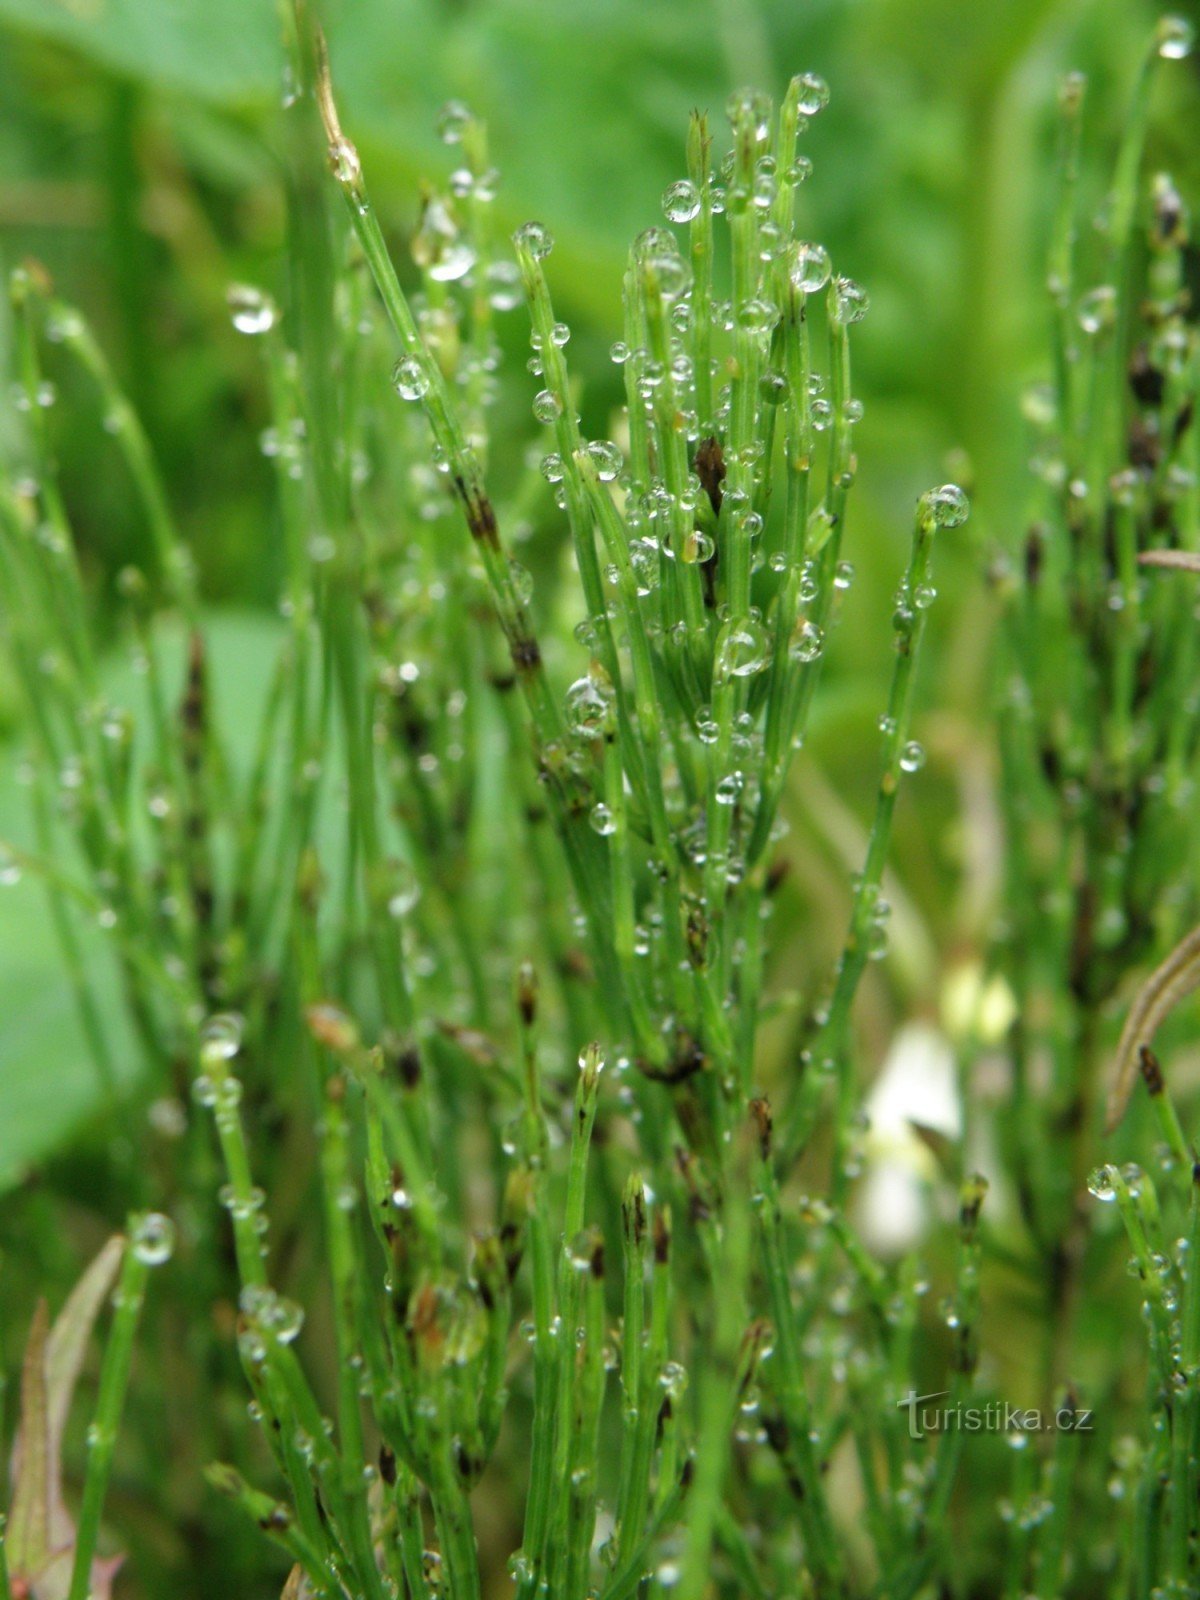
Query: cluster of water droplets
{"points": [[267, 1318]]}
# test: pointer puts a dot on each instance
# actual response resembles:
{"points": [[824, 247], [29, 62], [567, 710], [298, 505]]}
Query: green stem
{"points": [[102, 1436]]}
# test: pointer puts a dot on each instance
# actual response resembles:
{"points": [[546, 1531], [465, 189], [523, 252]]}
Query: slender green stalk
{"points": [[149, 1242], [940, 508]]}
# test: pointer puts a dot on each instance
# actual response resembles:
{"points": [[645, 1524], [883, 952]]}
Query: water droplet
{"points": [[1098, 309], [272, 1313], [851, 302], [1175, 36], [535, 238], [812, 94], [758, 316], [729, 788], [742, 650], [602, 820], [252, 310], [1102, 1183], [153, 1238], [221, 1037], [587, 706], [681, 201], [547, 406], [439, 246], [698, 546], [607, 457], [410, 379], [807, 642], [810, 267], [522, 581], [912, 757], [773, 387], [344, 162], [503, 281], [750, 106], [657, 251], [452, 121], [644, 559], [405, 889], [947, 506]]}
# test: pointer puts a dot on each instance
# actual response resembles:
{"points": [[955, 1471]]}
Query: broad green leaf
{"points": [[223, 50], [48, 1084]]}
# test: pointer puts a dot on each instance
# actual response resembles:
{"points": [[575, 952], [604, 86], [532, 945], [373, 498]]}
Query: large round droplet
{"points": [[807, 642], [1175, 36], [452, 121], [587, 705], [152, 1238], [947, 507], [743, 649], [251, 309], [812, 94], [851, 302], [681, 201], [221, 1037], [410, 378], [535, 238]]}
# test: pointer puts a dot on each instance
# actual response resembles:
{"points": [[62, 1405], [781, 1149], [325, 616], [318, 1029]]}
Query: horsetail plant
{"points": [[706, 652], [1099, 714], [1099, 729], [707, 598], [455, 1266]]}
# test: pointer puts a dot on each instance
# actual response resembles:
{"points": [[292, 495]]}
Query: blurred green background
{"points": [[139, 161]]}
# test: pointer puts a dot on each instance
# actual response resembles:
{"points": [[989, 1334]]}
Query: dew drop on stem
{"points": [[812, 94], [587, 707], [810, 267], [1175, 37], [252, 311], [602, 820], [344, 163], [410, 378], [807, 642], [1102, 1183], [452, 121], [851, 302], [547, 406], [536, 238], [947, 506], [681, 201], [503, 281], [152, 1238], [221, 1037]]}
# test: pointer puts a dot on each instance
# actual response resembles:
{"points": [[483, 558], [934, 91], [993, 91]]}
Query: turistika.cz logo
{"points": [[997, 1416]]}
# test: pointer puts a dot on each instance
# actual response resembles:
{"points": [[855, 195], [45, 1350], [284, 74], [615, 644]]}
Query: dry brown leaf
{"points": [[1166, 987], [41, 1536]]}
